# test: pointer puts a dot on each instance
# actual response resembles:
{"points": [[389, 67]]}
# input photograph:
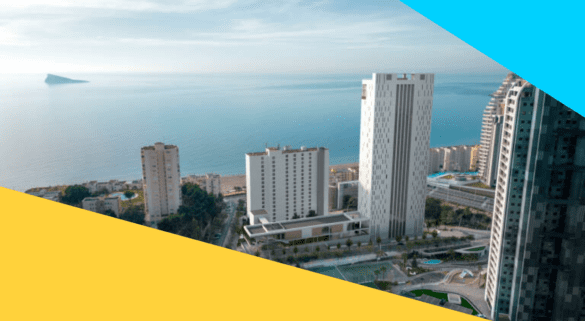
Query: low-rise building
{"points": [[312, 229], [211, 183], [102, 204]]}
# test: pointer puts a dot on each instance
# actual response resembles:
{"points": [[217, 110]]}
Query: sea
{"points": [[66, 134]]}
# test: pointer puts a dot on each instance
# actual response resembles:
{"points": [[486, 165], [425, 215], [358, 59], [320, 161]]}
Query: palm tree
{"points": [[295, 250], [349, 242], [383, 269]]}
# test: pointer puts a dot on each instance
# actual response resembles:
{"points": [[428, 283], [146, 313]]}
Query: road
{"points": [[462, 198], [231, 211]]}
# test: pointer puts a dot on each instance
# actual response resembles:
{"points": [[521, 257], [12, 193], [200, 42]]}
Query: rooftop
{"points": [[456, 307], [429, 299], [285, 150], [283, 226]]}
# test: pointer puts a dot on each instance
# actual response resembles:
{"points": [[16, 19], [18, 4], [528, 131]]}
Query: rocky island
{"points": [[58, 80]]}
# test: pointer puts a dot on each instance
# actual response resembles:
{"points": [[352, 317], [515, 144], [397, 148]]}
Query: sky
{"points": [[226, 36]]}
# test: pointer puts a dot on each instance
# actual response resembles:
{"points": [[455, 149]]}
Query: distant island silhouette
{"points": [[58, 80]]}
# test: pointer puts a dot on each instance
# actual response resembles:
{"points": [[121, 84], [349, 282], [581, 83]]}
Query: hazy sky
{"points": [[227, 36]]}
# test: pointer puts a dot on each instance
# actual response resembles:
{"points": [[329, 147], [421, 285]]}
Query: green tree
{"points": [[378, 240], [312, 213], [295, 216], [414, 264], [404, 258], [257, 253], [283, 252], [352, 203], [359, 244], [349, 243], [434, 234], [398, 238], [134, 214], [110, 213], [317, 249], [128, 194], [432, 208], [383, 270], [338, 245], [424, 236], [406, 238], [295, 250], [73, 195]]}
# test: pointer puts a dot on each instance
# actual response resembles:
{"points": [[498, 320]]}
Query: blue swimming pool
{"points": [[432, 262], [123, 197]]}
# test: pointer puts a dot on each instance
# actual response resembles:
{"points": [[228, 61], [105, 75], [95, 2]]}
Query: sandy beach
{"points": [[228, 183]]}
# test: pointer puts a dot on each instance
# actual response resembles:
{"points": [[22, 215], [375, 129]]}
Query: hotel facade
{"points": [[283, 184], [394, 152]]}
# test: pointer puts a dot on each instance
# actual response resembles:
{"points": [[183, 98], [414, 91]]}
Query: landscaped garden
{"points": [[444, 296], [477, 249]]}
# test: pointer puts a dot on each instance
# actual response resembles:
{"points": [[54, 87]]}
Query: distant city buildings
{"points": [[211, 183], [161, 178], [106, 187], [491, 130], [344, 174], [453, 158], [283, 184], [536, 268], [102, 204], [46, 194], [394, 152]]}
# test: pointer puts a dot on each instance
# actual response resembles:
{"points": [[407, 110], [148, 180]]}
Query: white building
{"points": [[491, 129], [283, 183], [394, 152], [436, 160], [161, 178], [102, 204], [211, 183]]}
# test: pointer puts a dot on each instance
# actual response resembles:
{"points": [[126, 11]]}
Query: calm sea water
{"points": [[65, 134]]}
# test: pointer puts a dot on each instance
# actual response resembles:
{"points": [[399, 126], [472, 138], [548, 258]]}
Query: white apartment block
{"points": [[161, 178], [102, 204], [283, 183], [491, 132], [211, 183], [394, 152], [457, 158], [436, 160], [452, 158]]}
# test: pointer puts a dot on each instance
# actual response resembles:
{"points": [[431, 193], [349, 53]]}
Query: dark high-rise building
{"points": [[536, 268]]}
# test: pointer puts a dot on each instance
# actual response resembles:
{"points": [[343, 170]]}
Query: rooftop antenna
{"points": [[266, 145], [278, 147]]}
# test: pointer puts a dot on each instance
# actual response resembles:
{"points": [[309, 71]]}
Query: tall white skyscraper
{"points": [[491, 129], [287, 183], [161, 178], [394, 152]]}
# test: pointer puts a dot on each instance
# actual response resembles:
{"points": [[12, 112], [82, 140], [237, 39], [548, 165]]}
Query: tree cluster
{"points": [[198, 211], [437, 214]]}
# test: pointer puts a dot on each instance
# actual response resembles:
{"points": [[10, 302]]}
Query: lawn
{"points": [[477, 249], [480, 185], [135, 201], [443, 296]]}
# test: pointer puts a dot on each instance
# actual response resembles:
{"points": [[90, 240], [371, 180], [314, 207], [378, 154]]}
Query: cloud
{"points": [[126, 5]]}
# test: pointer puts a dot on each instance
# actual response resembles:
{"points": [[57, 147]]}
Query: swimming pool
{"points": [[123, 197], [432, 262]]}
